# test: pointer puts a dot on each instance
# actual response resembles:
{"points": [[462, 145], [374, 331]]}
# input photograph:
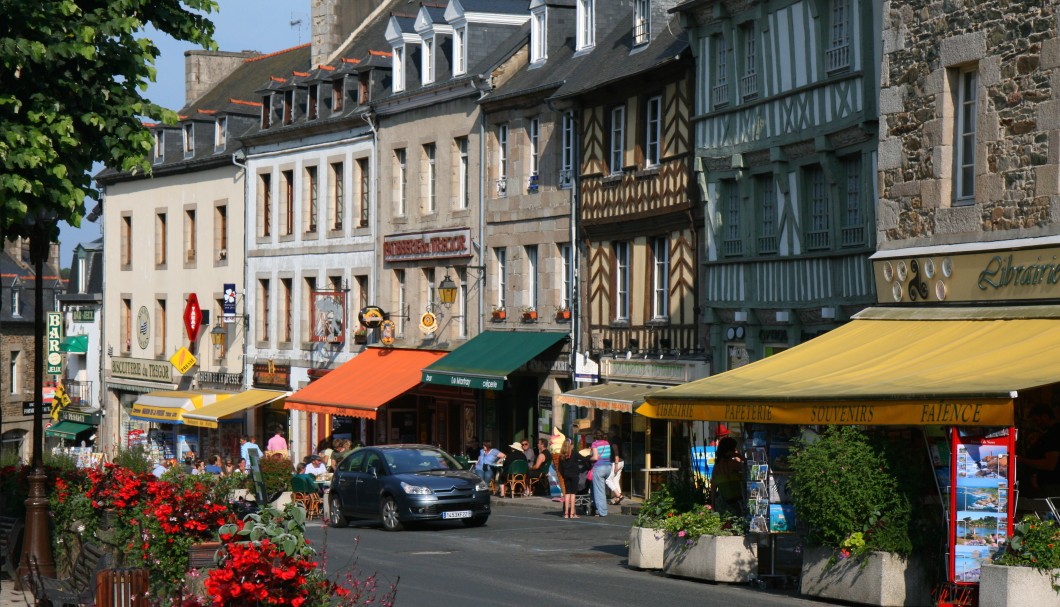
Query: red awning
{"points": [[368, 381]]}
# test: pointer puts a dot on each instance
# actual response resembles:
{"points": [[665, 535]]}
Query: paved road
{"points": [[523, 557]]}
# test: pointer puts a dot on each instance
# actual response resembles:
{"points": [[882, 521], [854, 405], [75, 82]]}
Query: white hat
{"points": [[516, 445]]}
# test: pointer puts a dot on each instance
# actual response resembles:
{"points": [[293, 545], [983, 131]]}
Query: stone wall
{"points": [[17, 337], [1014, 49]]}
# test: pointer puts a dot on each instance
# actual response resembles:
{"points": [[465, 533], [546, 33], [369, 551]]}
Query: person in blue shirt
{"points": [[214, 467], [489, 459], [246, 443]]}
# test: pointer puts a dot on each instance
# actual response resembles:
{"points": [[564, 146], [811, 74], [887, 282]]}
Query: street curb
{"points": [[545, 503]]}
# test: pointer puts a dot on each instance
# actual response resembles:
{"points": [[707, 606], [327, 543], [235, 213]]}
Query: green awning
{"points": [[67, 429], [74, 344], [485, 362]]}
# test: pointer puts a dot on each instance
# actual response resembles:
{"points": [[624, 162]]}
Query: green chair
{"points": [[304, 492], [518, 471], [463, 461]]}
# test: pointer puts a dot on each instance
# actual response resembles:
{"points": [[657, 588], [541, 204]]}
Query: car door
{"points": [[344, 481], [370, 482]]}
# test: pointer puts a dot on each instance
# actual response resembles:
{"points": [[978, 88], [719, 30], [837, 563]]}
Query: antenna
{"points": [[296, 22]]}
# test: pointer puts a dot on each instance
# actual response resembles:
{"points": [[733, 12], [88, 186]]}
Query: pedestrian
{"points": [[214, 467], [488, 460], [570, 467], [614, 480], [246, 445], [341, 448], [601, 456], [727, 479], [159, 469], [277, 443]]}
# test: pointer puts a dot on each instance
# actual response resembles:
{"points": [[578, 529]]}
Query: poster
{"points": [[980, 504], [703, 461], [329, 316], [781, 518]]}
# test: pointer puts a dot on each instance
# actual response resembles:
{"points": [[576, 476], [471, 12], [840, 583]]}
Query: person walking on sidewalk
{"points": [[601, 456]]}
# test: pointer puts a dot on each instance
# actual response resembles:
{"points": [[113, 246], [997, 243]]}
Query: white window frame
{"points": [[534, 135], [427, 60], [220, 133], [653, 137], [618, 139], [402, 292], [500, 255], [463, 174], [622, 280], [661, 278], [401, 181], [189, 139], [15, 371], [460, 50], [964, 129], [160, 146], [312, 102], [586, 23], [531, 276], [502, 151], [641, 22], [538, 35], [565, 278], [566, 170], [266, 111], [398, 68], [430, 154], [16, 301]]}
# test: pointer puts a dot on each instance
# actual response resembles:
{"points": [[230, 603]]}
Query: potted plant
{"points": [[855, 494], [1028, 570], [529, 314], [704, 545], [360, 336], [499, 314], [647, 538], [562, 313]]}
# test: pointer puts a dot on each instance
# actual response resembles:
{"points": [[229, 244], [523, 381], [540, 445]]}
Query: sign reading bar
{"points": [[464, 381], [54, 336], [869, 413], [183, 360], [439, 244], [140, 368]]}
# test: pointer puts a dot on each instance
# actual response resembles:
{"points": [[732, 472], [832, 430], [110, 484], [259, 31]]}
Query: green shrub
{"points": [[1035, 543], [276, 473], [135, 458]]}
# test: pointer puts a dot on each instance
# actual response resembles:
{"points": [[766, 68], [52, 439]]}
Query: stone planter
{"points": [[646, 547], [284, 499], [1001, 586], [883, 579], [720, 558]]}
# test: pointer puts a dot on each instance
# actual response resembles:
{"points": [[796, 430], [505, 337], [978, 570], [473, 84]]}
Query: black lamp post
{"points": [[447, 291]]}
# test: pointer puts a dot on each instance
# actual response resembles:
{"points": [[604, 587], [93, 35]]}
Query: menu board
{"points": [[980, 503]]}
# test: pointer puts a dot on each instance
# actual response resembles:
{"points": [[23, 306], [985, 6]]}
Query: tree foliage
{"points": [[73, 75]]}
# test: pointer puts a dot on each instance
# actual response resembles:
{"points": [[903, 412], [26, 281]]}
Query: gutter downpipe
{"points": [[483, 86]]}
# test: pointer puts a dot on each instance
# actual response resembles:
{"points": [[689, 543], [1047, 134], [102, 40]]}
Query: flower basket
{"points": [[360, 337], [562, 315], [530, 316], [713, 558], [499, 315]]}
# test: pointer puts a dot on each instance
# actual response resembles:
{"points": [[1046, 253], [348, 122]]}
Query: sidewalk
{"points": [[9, 597], [630, 506]]}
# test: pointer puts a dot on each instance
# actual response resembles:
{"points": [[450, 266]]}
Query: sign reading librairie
{"points": [[141, 368]]}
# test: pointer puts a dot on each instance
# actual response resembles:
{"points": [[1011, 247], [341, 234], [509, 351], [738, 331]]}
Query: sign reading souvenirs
{"points": [[329, 316], [371, 316], [138, 368], [269, 374], [192, 317], [183, 360], [440, 244], [54, 332]]}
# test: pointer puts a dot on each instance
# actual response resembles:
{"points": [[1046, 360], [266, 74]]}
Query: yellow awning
{"points": [[208, 416], [169, 407], [888, 366], [612, 396]]}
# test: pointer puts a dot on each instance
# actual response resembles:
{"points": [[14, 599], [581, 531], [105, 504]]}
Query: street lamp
{"points": [[217, 337], [447, 291]]}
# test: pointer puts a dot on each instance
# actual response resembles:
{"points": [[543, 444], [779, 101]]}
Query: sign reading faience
{"points": [[440, 244], [139, 368], [53, 337]]}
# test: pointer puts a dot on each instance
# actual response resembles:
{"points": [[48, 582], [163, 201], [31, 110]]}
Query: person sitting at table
{"points": [[316, 466], [214, 467], [488, 460], [539, 467], [515, 454]]}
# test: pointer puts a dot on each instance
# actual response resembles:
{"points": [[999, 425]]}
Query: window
{"points": [[312, 101], [463, 174], [531, 276], [534, 135], [965, 130], [266, 111], [338, 194], [641, 21], [288, 202], [399, 281], [160, 239], [14, 372], [564, 275], [586, 19], [502, 160], [618, 138], [838, 54], [622, 280], [720, 92], [338, 94], [309, 285], [566, 161], [366, 190], [191, 236], [364, 81], [431, 296], [264, 310], [220, 227], [16, 301], [160, 327], [733, 240], [286, 311], [220, 133], [853, 228], [312, 195], [189, 139], [362, 290], [427, 59], [767, 215], [399, 68], [265, 211], [500, 255], [400, 182], [430, 152], [126, 241], [749, 80], [82, 273], [660, 301], [651, 140], [460, 51], [538, 38], [818, 226], [126, 325], [288, 106], [160, 146]]}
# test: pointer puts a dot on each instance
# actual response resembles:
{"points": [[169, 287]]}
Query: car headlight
{"points": [[482, 486], [416, 489]]}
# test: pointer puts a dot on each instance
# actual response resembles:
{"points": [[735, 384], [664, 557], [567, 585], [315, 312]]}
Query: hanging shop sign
{"points": [[438, 244], [329, 316], [371, 316], [183, 360], [54, 332], [192, 317], [428, 323], [140, 368], [269, 374], [387, 332], [228, 303]]}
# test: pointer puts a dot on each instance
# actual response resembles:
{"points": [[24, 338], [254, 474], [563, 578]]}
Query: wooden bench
{"points": [[79, 588], [10, 545]]}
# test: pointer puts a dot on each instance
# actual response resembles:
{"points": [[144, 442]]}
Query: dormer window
{"points": [[363, 80], [428, 60], [82, 272], [16, 301], [398, 68], [288, 106], [160, 146], [641, 21], [538, 34], [220, 133], [189, 140], [311, 103], [586, 18], [337, 91], [460, 51], [266, 111]]}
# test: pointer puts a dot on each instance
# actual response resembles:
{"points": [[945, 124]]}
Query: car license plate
{"points": [[457, 514]]}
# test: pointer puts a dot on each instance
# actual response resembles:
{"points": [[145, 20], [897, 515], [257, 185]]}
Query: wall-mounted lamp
{"points": [[218, 335], [447, 291]]}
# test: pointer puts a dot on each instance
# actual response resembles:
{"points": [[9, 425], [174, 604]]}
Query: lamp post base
{"points": [[37, 541]]}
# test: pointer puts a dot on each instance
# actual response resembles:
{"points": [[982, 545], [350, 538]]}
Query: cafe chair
{"points": [[518, 471], [305, 493]]}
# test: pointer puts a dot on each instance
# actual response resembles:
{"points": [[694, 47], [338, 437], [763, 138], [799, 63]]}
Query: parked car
{"points": [[401, 484]]}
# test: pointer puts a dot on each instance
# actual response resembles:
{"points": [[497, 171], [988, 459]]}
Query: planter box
{"points": [[646, 547], [885, 579], [284, 499], [1001, 586], [712, 558]]}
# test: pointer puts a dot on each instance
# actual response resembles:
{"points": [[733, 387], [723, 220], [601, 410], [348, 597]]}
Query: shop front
{"points": [[515, 376], [167, 436], [263, 422], [74, 434], [127, 380]]}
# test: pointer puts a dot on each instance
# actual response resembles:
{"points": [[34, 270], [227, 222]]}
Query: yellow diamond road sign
{"points": [[183, 360]]}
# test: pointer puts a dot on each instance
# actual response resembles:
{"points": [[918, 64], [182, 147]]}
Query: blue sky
{"points": [[260, 25]]}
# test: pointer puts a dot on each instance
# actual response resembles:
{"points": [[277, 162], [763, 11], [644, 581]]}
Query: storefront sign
{"points": [[441, 244], [81, 315], [28, 409], [878, 413], [387, 331], [92, 419], [997, 275], [428, 323], [371, 316], [219, 379], [464, 381], [139, 368], [143, 328], [192, 317], [228, 303], [668, 371], [269, 374], [54, 329], [329, 316], [183, 360]]}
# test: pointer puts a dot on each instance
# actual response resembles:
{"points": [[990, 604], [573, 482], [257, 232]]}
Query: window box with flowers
{"points": [[360, 336], [563, 314], [529, 314], [1028, 571], [499, 314]]}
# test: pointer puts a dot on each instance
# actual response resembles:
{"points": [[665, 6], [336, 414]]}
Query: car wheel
{"points": [[389, 514], [476, 521], [336, 517]]}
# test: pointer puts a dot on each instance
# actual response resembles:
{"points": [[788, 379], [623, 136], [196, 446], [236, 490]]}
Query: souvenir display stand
{"points": [[771, 515]]}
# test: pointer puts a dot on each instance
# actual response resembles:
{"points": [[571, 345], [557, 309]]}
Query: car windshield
{"points": [[405, 461]]}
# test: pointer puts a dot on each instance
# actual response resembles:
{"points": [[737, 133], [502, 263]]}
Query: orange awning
{"points": [[366, 382]]}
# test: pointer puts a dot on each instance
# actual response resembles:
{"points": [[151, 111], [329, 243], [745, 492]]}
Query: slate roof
{"points": [[94, 268], [11, 272], [242, 83], [502, 7]]}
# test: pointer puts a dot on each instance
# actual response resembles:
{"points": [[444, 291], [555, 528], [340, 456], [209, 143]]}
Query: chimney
{"points": [[13, 249], [203, 70], [334, 20]]}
